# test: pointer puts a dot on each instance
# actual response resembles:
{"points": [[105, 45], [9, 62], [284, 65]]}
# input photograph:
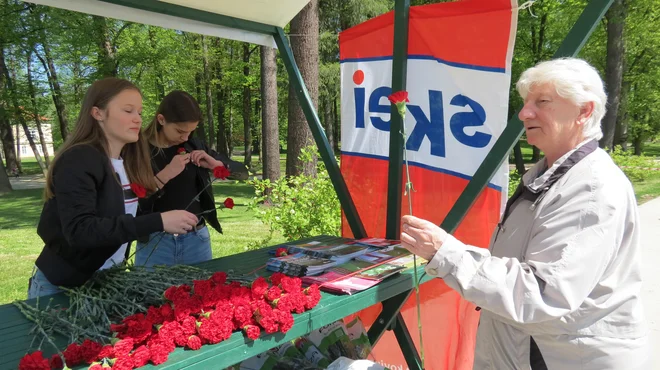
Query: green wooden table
{"points": [[16, 340]]}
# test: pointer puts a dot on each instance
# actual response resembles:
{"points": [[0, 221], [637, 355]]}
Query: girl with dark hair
{"points": [[181, 166], [92, 189]]}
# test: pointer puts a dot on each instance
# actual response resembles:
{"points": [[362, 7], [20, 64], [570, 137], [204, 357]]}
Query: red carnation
{"points": [[291, 285], [167, 312], [202, 287], [242, 315], [139, 329], [139, 190], [181, 151], [273, 293], [188, 325], [124, 347], [96, 367], [194, 343], [276, 278], [219, 277], [171, 331], [229, 203], [399, 97], [56, 362], [73, 355], [312, 296], [90, 350], [285, 319], [34, 361], [118, 328], [159, 353], [259, 287], [221, 172], [284, 303], [213, 331], [269, 323], [141, 356], [154, 315], [252, 331], [123, 363], [280, 252], [107, 351]]}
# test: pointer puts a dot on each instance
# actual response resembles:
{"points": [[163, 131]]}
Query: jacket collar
{"points": [[538, 179]]}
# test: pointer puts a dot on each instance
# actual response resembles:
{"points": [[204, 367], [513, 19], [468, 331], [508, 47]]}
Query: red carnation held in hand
{"points": [[228, 203], [221, 172]]}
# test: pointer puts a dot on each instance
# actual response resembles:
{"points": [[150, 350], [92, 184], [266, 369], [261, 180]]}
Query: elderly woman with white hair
{"points": [[559, 285]]}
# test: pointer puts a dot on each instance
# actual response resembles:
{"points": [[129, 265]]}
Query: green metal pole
{"points": [[391, 308], [576, 38], [406, 343], [327, 154], [399, 73]]}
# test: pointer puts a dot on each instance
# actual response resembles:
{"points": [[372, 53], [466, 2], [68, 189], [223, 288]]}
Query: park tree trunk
{"points": [[247, 112], [621, 129], [5, 185], [614, 70], [200, 131], [19, 115], [155, 63], [221, 104], [6, 133], [305, 46], [207, 89], [35, 111], [51, 72], [270, 141], [106, 58]]}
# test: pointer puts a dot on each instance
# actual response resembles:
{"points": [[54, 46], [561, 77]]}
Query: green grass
{"points": [[648, 189], [20, 245], [30, 166], [652, 149]]}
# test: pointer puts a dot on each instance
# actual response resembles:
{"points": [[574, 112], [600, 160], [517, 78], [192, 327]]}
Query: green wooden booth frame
{"points": [[390, 318]]}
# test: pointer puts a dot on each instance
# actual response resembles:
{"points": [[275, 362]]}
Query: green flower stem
{"points": [[408, 192]]}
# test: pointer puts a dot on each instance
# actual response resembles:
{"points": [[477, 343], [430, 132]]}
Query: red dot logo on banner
{"points": [[358, 77]]}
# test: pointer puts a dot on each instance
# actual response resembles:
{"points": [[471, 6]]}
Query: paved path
{"points": [[28, 182], [650, 219]]}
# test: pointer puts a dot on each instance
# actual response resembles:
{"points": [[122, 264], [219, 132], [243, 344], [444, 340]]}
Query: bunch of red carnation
{"points": [[206, 313]]}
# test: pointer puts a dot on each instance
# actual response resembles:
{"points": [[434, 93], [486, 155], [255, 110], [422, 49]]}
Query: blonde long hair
{"points": [[137, 160]]}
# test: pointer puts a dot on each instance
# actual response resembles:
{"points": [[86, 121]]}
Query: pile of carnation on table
{"points": [[207, 312]]}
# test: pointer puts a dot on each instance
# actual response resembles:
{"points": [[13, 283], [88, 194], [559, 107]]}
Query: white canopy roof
{"points": [[168, 14]]}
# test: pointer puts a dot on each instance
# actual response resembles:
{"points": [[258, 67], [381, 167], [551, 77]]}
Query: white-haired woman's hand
{"points": [[421, 237]]}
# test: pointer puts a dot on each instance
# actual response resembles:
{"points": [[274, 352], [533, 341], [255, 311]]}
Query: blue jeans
{"points": [[40, 286], [167, 249]]}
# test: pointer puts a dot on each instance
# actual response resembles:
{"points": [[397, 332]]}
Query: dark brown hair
{"points": [[137, 161], [177, 107]]}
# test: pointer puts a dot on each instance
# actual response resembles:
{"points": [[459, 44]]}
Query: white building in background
{"points": [[23, 145], [23, 148]]}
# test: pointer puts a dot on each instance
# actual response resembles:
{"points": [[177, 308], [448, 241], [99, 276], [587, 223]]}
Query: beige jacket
{"points": [[563, 267]]}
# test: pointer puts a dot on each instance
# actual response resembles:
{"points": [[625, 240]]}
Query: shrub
{"points": [[298, 206]]}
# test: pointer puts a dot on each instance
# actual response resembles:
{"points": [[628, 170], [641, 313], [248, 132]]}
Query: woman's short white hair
{"points": [[573, 79]]}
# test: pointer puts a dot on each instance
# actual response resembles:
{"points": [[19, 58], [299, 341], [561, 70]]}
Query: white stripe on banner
{"points": [[455, 114]]}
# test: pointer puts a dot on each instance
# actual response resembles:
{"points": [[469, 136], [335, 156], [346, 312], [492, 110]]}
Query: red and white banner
{"points": [[458, 79]]}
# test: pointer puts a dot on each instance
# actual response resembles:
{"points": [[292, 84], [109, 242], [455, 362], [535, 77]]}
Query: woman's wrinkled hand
{"points": [[421, 237]]}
